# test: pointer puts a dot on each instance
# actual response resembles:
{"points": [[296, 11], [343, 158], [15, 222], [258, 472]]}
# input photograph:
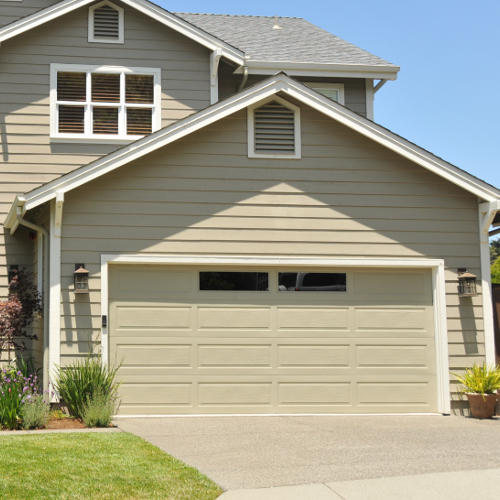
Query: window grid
{"points": [[121, 105]]}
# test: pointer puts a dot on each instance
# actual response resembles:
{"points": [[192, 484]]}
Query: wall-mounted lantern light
{"points": [[466, 283], [81, 279]]}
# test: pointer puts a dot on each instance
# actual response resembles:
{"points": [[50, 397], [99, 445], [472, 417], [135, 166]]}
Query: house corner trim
{"points": [[56, 212]]}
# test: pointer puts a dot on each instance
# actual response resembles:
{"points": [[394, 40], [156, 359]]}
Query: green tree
{"points": [[495, 271], [494, 250]]}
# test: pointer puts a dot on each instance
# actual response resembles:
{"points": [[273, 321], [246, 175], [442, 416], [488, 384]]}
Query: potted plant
{"points": [[480, 385]]}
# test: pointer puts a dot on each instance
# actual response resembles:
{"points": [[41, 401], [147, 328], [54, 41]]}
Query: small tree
{"points": [[494, 250], [495, 272], [18, 312]]}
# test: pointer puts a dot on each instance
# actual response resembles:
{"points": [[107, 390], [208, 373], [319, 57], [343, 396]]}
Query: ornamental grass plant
{"points": [[83, 381], [35, 412], [98, 411], [480, 379]]}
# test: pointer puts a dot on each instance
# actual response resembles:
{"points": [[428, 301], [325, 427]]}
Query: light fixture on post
{"points": [[466, 283], [81, 279]]}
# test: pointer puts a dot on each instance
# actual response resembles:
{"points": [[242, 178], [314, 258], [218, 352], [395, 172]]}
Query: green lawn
{"points": [[95, 466]]}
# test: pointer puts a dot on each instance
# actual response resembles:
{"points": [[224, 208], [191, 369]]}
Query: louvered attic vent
{"points": [[106, 23], [275, 130]]}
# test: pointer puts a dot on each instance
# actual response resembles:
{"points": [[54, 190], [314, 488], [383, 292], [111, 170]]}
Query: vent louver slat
{"points": [[106, 23], [274, 129]]}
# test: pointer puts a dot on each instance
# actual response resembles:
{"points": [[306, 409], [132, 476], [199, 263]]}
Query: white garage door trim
{"points": [[438, 290]]}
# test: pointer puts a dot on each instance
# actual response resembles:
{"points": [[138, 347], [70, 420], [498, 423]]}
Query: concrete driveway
{"points": [[257, 452]]}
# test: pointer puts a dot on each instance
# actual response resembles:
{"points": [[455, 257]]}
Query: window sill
{"points": [[95, 140]]}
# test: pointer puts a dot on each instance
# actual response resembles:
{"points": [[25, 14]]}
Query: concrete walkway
{"points": [[261, 452], [462, 485]]}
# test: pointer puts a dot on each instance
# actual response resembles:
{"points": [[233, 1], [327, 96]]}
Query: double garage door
{"points": [[238, 341]]}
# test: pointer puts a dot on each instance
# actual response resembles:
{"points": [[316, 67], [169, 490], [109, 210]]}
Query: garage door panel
{"points": [[310, 318], [234, 317], [239, 394], [154, 355], [393, 393], [314, 393], [162, 393], [392, 319], [370, 349], [234, 355], [150, 317], [414, 286], [382, 355], [313, 355]]}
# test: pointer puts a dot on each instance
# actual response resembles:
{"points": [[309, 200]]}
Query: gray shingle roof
{"points": [[297, 41]]}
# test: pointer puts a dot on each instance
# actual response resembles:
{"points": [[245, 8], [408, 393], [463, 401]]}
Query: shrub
{"points": [[80, 382], [18, 312], [35, 412], [480, 379], [99, 410], [15, 390]]}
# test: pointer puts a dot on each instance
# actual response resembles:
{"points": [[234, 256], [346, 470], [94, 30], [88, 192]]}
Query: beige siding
{"points": [[27, 156], [354, 88], [347, 197], [12, 11]]}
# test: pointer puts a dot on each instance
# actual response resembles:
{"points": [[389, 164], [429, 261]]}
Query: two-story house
{"points": [[208, 200]]}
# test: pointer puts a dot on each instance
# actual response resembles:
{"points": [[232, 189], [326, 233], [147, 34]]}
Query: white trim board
{"points": [[54, 333], [276, 84], [438, 285], [232, 415], [375, 72], [148, 8]]}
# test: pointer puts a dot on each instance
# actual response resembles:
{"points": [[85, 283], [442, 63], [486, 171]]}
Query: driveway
{"points": [[256, 452]]}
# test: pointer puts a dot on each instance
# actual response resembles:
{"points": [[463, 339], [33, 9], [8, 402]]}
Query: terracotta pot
{"points": [[482, 406]]}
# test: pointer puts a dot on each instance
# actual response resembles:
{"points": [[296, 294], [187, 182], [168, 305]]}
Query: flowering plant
{"points": [[18, 312], [15, 390]]}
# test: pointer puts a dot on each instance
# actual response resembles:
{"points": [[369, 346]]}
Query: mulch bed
{"points": [[65, 423]]}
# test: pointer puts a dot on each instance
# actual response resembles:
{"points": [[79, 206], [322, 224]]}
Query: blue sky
{"points": [[446, 96]]}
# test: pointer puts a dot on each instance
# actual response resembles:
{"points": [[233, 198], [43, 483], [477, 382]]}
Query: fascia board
{"points": [[321, 70]]}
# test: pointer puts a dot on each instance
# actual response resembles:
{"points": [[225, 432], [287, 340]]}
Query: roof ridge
{"points": [[235, 15]]}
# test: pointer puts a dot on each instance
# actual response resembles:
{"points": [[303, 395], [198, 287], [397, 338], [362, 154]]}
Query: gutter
{"points": [[14, 220]]}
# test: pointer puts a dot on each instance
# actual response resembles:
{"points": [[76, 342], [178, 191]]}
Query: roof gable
{"points": [[148, 8], [263, 90]]}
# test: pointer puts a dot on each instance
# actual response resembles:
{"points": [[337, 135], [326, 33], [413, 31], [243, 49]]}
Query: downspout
{"points": [[215, 58], [44, 234], [244, 79]]}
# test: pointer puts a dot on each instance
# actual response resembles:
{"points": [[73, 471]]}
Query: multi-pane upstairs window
{"points": [[115, 104]]}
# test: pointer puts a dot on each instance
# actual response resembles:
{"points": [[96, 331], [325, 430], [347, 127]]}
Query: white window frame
{"points": [[251, 130], [88, 136], [121, 24], [317, 86]]}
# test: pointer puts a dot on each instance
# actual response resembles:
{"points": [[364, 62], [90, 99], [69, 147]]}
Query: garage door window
{"points": [[312, 282], [237, 281]]}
